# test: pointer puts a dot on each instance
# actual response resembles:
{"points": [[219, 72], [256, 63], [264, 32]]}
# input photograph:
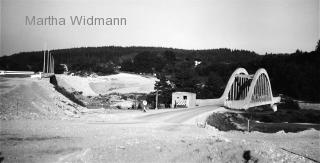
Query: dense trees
{"points": [[213, 88], [295, 75], [164, 89]]}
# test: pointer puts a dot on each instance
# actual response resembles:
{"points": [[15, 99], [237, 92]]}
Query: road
{"points": [[182, 116]]}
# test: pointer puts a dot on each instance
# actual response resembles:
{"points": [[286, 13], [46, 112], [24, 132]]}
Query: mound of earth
{"points": [[77, 83], [119, 83], [26, 98]]}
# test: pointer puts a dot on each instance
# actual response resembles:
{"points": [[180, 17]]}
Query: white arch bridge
{"points": [[244, 91]]}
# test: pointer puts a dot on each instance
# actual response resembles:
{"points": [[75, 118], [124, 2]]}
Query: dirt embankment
{"points": [[119, 83], [26, 98], [282, 120], [121, 91]]}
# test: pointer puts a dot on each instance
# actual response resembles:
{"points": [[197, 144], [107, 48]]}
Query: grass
{"points": [[290, 116], [221, 121], [288, 111], [286, 127], [237, 121]]}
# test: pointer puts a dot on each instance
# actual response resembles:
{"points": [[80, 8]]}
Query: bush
{"points": [[221, 122], [290, 116], [288, 103]]}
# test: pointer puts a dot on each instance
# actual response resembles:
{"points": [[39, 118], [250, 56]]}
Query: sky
{"points": [[263, 26]]}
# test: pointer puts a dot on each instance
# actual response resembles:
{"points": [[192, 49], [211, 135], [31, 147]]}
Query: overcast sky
{"points": [[278, 26]]}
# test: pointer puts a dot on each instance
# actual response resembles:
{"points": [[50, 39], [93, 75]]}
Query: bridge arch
{"points": [[231, 81], [244, 91]]}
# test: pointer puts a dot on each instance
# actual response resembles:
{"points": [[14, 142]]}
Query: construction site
{"points": [[41, 124], [164, 81]]}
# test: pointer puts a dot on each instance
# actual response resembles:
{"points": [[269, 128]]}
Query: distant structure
{"points": [[245, 91], [48, 64], [183, 100], [196, 63], [65, 68], [4, 72]]}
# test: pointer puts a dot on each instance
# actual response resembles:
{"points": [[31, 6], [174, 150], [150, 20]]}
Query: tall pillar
{"points": [[44, 61], [48, 62]]}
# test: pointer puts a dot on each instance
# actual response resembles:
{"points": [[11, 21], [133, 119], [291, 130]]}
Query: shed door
{"points": [[181, 102]]}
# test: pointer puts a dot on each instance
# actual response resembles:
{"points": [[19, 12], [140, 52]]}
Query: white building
{"points": [[183, 100]]}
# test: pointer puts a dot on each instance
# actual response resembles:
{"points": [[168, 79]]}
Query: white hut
{"points": [[183, 100]]}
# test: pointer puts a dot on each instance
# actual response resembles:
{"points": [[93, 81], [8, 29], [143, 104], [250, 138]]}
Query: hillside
{"points": [[83, 58], [294, 75]]}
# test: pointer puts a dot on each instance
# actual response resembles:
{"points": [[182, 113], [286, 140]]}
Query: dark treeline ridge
{"points": [[296, 75]]}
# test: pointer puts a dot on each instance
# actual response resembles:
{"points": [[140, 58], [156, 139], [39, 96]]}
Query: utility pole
{"points": [[44, 61], [52, 64], [48, 61], [44, 57], [51, 61], [156, 100]]}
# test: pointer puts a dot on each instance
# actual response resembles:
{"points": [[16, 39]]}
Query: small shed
{"points": [[183, 100]]}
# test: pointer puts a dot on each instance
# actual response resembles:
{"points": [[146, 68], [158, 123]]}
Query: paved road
{"points": [[179, 115]]}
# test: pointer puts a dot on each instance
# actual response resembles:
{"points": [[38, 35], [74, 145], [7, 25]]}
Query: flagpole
{"points": [[48, 61], [44, 61]]}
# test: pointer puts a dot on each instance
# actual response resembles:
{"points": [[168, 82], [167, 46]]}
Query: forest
{"points": [[296, 75]]}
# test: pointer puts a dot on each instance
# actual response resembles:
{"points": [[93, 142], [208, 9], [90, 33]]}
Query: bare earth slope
{"points": [[118, 83], [26, 98]]}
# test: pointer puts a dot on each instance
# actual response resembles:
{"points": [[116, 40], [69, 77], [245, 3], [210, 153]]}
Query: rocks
{"points": [[124, 104]]}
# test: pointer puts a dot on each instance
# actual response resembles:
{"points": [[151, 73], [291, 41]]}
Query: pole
{"points": [[52, 64], [48, 61], [249, 120], [44, 60], [157, 100], [44, 57]]}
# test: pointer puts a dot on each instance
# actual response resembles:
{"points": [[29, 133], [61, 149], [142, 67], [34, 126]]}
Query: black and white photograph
{"points": [[159, 81]]}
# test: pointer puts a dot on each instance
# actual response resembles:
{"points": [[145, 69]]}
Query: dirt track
{"points": [[139, 137]]}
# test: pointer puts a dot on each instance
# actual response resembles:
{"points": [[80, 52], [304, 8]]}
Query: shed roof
{"points": [[183, 93]]}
